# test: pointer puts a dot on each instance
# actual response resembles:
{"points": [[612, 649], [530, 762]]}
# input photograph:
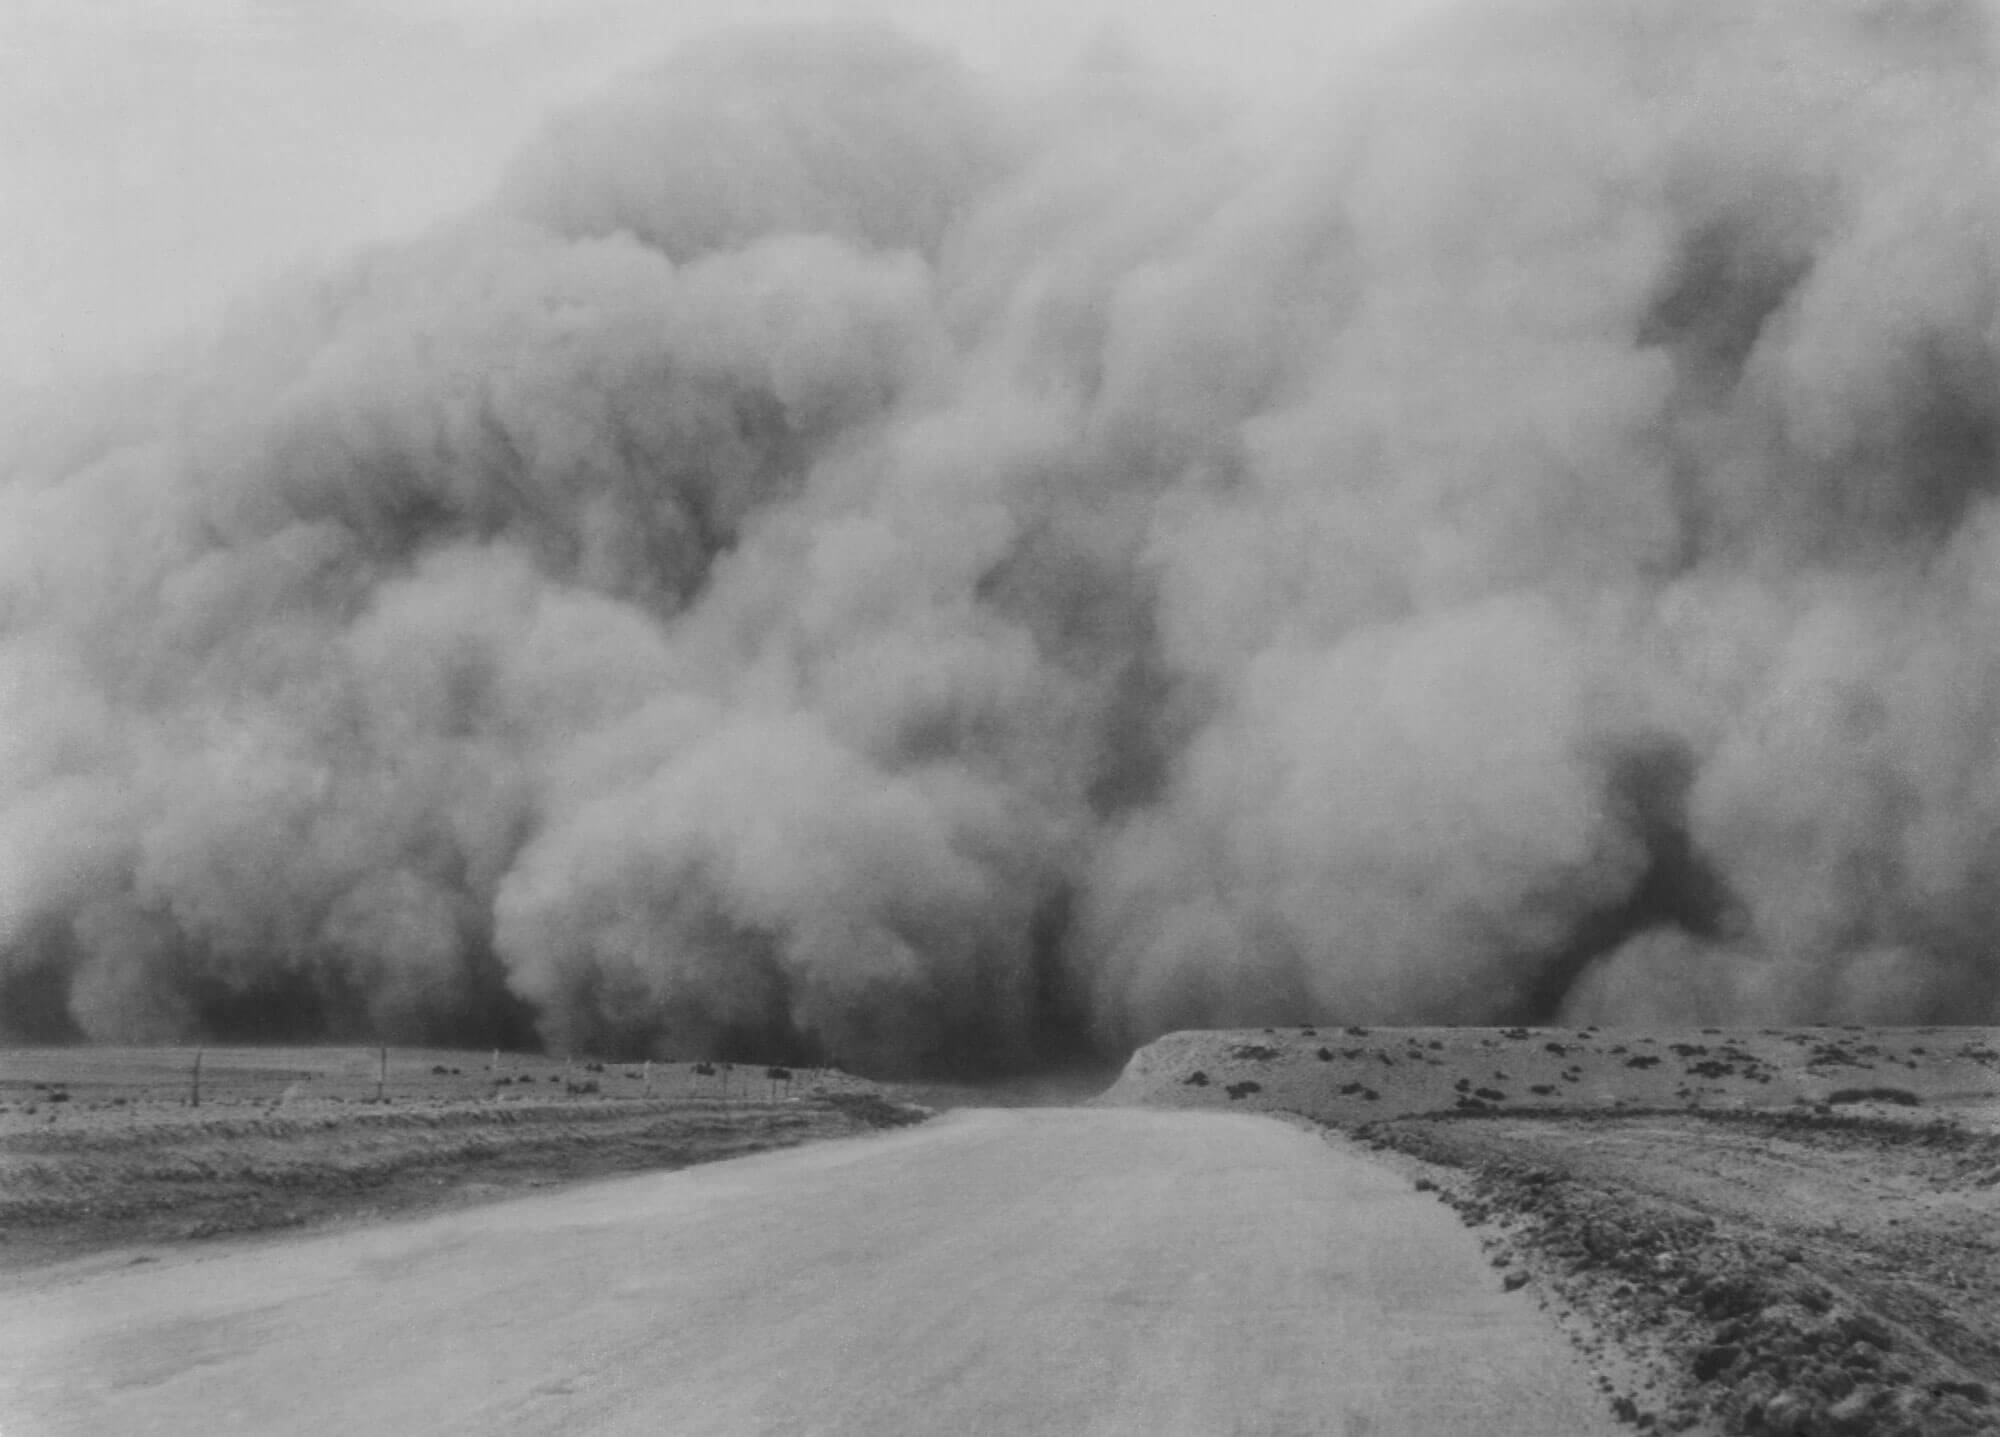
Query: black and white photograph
{"points": [[940, 718]]}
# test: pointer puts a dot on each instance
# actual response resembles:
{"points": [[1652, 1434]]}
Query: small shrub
{"points": [[1325, 1055], [1196, 1079], [1244, 1089]]}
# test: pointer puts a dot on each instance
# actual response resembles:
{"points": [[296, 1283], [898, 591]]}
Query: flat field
{"points": [[1770, 1230], [107, 1149]]}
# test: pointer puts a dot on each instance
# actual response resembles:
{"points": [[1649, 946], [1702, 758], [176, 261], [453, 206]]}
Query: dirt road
{"points": [[1047, 1271]]}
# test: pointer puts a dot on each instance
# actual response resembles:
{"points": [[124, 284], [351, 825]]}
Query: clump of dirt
{"points": [[1902, 1097]]}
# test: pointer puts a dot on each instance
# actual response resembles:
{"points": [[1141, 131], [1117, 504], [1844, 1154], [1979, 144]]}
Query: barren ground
{"points": [[1786, 1231], [994, 1273], [102, 1149]]}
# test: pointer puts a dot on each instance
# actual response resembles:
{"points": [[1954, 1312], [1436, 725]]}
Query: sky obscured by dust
{"points": [[840, 546]]}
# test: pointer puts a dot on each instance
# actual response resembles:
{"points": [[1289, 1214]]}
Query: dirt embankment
{"points": [[1786, 1231], [108, 1148]]}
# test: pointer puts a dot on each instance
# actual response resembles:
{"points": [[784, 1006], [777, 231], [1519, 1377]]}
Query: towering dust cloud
{"points": [[836, 558]]}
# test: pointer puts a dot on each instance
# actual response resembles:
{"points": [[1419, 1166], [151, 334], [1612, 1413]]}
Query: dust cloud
{"points": [[842, 556]]}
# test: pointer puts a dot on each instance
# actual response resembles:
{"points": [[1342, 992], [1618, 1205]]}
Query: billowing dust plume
{"points": [[833, 560]]}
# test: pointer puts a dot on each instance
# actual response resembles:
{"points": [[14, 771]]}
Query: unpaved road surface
{"points": [[1046, 1271]]}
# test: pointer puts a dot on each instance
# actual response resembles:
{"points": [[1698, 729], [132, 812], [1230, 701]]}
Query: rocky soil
{"points": [[1785, 1231]]}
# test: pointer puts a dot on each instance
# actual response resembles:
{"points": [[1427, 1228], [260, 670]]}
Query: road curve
{"points": [[1063, 1271]]}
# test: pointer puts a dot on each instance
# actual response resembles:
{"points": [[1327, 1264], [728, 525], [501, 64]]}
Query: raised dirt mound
{"points": [[1348, 1075]]}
